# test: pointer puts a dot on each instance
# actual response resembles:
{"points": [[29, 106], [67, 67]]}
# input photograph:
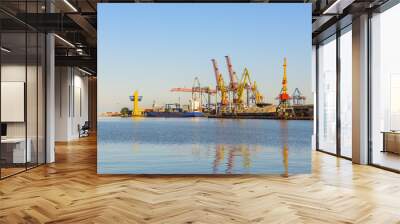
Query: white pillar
{"points": [[360, 90], [50, 92], [50, 99]]}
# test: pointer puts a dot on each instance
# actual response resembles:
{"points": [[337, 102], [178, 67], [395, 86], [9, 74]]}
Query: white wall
{"points": [[71, 102], [314, 91]]}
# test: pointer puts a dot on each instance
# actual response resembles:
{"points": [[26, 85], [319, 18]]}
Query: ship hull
{"points": [[174, 114]]}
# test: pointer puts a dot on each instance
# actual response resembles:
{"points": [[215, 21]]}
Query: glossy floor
{"points": [[70, 191]]}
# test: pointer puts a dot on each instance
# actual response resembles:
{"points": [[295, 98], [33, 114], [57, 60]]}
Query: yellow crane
{"points": [[135, 98], [258, 97], [245, 83]]}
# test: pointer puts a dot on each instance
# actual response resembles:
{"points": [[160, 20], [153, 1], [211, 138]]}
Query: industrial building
{"points": [[48, 100]]}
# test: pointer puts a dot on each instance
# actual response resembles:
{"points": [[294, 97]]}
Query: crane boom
{"points": [[216, 70], [245, 82], [220, 85], [189, 90], [232, 75]]}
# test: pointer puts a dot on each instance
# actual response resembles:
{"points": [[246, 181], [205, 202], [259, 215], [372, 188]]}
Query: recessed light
{"points": [[5, 50], [70, 5], [64, 40], [84, 71]]}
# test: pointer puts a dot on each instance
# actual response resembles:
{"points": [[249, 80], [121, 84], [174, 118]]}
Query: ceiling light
{"points": [[84, 71], [70, 5], [338, 6], [65, 41], [5, 50]]}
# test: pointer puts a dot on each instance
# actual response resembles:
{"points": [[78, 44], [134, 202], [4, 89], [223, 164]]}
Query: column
{"points": [[360, 90]]}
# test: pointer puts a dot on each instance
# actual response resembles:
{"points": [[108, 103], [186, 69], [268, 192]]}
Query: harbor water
{"points": [[203, 146]]}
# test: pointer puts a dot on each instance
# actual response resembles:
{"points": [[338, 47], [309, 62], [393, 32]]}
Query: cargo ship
{"points": [[174, 110], [175, 114]]}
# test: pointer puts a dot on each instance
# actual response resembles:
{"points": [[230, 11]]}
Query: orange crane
{"points": [[233, 85], [284, 96], [284, 109]]}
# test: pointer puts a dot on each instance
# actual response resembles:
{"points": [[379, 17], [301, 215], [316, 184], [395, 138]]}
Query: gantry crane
{"points": [[298, 98], [197, 93]]}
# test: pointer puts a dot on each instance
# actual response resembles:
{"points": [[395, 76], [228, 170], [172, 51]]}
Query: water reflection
{"points": [[204, 146], [227, 158], [285, 149]]}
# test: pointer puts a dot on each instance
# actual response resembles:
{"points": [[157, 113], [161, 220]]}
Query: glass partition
{"points": [[385, 89], [13, 110], [346, 92], [23, 91], [327, 95]]}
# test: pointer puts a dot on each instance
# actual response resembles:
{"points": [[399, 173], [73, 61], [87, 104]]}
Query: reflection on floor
{"points": [[387, 159], [70, 191], [11, 169]]}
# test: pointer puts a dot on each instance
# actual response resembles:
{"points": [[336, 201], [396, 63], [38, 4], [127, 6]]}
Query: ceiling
{"points": [[75, 21]]}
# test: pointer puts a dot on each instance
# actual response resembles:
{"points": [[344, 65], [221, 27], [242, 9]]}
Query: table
{"points": [[19, 155], [391, 141]]}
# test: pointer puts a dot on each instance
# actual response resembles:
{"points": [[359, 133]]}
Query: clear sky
{"points": [[155, 47]]}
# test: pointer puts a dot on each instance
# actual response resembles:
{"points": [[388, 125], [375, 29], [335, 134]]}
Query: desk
{"points": [[391, 141], [18, 151]]}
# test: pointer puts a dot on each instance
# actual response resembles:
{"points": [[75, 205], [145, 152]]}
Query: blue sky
{"points": [[155, 47]]}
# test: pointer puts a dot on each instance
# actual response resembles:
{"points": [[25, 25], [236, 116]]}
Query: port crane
{"points": [[298, 98], [197, 94], [284, 109], [233, 83], [136, 98], [220, 88], [245, 84]]}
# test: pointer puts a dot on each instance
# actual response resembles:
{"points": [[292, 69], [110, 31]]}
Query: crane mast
{"points": [[284, 110], [221, 88], [284, 95]]}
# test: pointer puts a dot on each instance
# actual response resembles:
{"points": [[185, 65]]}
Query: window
{"points": [[327, 95], [385, 89], [346, 92]]}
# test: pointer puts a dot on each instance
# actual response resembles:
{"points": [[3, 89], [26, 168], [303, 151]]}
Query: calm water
{"points": [[203, 146]]}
